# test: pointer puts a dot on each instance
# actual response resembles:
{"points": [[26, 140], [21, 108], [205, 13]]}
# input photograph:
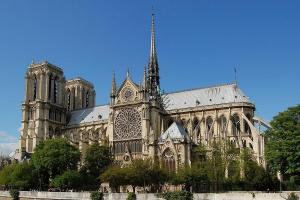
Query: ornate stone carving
{"points": [[128, 124], [127, 94]]}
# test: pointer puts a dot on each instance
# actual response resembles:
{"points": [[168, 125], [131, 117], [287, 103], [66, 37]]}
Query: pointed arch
{"points": [[236, 125], [247, 128], [196, 130], [169, 161], [87, 99], [68, 99], [50, 86], [209, 128], [223, 126], [35, 84]]}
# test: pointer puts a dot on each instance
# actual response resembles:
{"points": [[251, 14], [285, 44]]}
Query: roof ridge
{"points": [[200, 88], [80, 109]]}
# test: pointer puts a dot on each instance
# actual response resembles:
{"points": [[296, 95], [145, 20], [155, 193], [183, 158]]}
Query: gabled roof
{"points": [[175, 132], [88, 115], [222, 94]]}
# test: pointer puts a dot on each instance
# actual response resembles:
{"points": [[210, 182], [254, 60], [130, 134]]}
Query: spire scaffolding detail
{"points": [[153, 68]]}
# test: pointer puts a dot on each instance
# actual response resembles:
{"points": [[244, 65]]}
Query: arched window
{"points": [[34, 88], [83, 98], [87, 99], [57, 132], [246, 125], [236, 125], [73, 98], [55, 95], [50, 87], [223, 125], [69, 99], [31, 114], [169, 160], [50, 132], [196, 130], [209, 128]]}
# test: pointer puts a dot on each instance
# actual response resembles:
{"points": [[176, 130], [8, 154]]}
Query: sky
{"points": [[199, 43]]}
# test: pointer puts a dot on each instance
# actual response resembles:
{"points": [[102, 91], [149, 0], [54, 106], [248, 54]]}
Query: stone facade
{"points": [[140, 121]]}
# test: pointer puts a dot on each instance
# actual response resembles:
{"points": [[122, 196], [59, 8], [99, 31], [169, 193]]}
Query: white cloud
{"points": [[8, 143], [7, 148]]}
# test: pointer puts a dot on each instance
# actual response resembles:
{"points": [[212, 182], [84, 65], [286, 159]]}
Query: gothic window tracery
{"points": [[34, 88], [128, 124], [55, 92], [247, 127], [50, 87], [209, 128], [236, 125], [69, 99], [196, 130], [83, 98], [87, 99], [223, 125], [127, 94], [169, 160]]}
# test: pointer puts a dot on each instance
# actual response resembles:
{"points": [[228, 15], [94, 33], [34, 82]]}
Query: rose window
{"points": [[128, 124]]}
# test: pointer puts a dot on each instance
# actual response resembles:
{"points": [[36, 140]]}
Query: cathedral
{"points": [[140, 120]]}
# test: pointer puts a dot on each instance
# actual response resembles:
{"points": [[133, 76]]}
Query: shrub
{"points": [[293, 196], [183, 195], [68, 180], [131, 196], [14, 194], [96, 196]]}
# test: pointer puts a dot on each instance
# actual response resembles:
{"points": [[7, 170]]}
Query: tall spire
{"points": [[113, 85], [153, 68], [145, 80]]}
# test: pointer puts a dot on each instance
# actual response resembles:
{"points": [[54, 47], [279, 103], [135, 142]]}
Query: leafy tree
{"points": [[192, 178], [283, 143], [54, 157], [140, 173], [115, 176], [69, 180], [23, 177], [97, 159], [5, 176]]}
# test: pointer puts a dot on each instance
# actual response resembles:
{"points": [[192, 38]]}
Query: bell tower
{"points": [[43, 110]]}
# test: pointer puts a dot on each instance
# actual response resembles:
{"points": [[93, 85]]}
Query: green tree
{"points": [[54, 157], [5, 176], [193, 178], [23, 177], [115, 176], [69, 180], [97, 159], [283, 143]]}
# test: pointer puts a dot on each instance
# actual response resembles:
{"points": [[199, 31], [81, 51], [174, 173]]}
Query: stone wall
{"points": [[86, 196]]}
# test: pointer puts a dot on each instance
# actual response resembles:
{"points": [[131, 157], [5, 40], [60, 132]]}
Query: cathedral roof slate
{"points": [[222, 94], [175, 132], [229, 93], [88, 115]]}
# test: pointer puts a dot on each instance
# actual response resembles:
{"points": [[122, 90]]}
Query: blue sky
{"points": [[199, 43]]}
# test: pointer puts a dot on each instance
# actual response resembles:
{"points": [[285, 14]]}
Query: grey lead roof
{"points": [[221, 94], [88, 115], [175, 132]]}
